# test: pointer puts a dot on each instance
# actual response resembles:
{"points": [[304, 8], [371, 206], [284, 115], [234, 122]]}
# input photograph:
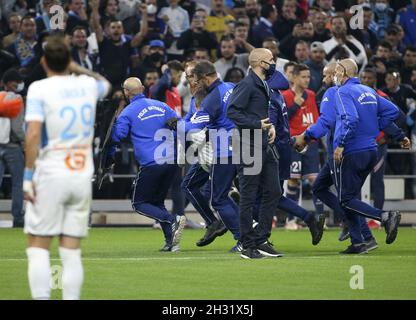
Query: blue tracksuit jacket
{"points": [[141, 120], [361, 114]]}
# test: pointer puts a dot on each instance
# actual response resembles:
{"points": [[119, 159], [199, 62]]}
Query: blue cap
{"points": [[157, 43]]}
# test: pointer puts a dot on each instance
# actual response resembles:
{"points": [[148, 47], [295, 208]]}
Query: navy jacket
{"points": [[249, 104]]}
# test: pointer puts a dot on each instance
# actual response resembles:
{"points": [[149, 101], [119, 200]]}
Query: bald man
{"points": [[361, 114], [325, 179], [248, 108], [143, 121]]}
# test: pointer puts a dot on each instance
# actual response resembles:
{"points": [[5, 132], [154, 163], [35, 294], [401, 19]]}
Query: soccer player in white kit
{"points": [[60, 115]]}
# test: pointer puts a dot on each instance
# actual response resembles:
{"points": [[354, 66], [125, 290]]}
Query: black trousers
{"points": [[268, 179]]}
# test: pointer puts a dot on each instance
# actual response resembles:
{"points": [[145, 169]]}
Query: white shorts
{"points": [[62, 205]]}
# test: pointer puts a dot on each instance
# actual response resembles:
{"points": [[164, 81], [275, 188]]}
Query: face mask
{"points": [[20, 87], [151, 9], [269, 72], [381, 6], [337, 81], [156, 57]]}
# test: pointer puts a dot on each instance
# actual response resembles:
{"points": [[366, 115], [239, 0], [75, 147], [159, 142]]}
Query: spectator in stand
{"points": [[286, 20], [150, 78], [367, 35], [303, 32], [409, 64], [413, 79], [77, 15], [341, 40], [116, 49], [385, 52], [43, 21], [316, 65], [288, 70], [201, 54], [326, 6], [383, 17], [14, 26], [218, 20], [79, 50], [241, 38], [157, 28], [273, 45], [154, 60], [12, 138], [302, 52], [234, 75], [264, 29], [197, 36], [319, 20], [108, 10], [395, 36], [25, 48], [404, 97], [407, 20], [230, 59], [253, 13]]}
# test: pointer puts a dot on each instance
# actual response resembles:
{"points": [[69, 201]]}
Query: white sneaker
{"points": [[175, 248], [178, 229], [291, 225]]}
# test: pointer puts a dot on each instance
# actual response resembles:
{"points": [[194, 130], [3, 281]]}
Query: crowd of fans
{"points": [[153, 39]]}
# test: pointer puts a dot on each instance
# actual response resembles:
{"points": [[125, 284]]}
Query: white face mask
{"points": [[337, 81], [151, 9], [381, 6], [20, 87]]}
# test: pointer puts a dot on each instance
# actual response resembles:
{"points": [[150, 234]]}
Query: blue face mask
{"points": [[269, 72]]}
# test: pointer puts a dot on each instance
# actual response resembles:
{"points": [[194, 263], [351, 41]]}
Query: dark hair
{"points": [[370, 69], [410, 48], [27, 17], [266, 10], [385, 44], [111, 20], [289, 64], [240, 24], [104, 4], [57, 54], [78, 27], [175, 65], [12, 75], [152, 70], [272, 39], [227, 37], [394, 72], [202, 49], [204, 68], [231, 70], [299, 68]]}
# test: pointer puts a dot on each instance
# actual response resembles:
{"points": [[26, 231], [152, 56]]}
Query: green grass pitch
{"points": [[124, 263]]}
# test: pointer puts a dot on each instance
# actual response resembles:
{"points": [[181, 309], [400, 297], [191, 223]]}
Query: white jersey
{"points": [[66, 105]]}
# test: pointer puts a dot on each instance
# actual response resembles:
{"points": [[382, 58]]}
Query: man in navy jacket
{"points": [[248, 109]]}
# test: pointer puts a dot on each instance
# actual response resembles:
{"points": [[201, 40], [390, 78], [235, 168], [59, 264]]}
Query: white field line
{"points": [[235, 257]]}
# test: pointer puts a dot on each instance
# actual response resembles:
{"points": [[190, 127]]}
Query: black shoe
{"points": [[166, 248], [18, 224], [356, 249], [215, 229], [344, 234], [251, 253], [316, 227], [371, 244], [391, 225], [267, 249]]}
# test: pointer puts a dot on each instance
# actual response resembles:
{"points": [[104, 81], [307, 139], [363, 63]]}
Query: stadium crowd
{"points": [[152, 40]]}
